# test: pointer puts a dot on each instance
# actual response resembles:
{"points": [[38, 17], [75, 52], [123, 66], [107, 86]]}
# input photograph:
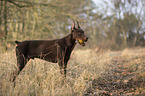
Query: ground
{"points": [[126, 77], [90, 73]]}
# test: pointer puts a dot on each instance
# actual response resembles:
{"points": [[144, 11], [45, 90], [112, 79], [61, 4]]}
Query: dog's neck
{"points": [[70, 41]]}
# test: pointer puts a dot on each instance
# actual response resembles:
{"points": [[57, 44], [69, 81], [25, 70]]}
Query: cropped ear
{"points": [[73, 26], [78, 24]]}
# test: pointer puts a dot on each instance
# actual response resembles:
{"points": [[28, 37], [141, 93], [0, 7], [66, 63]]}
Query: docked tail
{"points": [[17, 42]]}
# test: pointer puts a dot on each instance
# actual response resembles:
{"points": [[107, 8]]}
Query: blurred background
{"points": [[112, 24]]}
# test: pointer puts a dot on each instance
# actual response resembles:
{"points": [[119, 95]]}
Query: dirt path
{"points": [[126, 76]]}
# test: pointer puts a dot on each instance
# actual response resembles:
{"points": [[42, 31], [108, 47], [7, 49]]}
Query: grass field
{"points": [[89, 73]]}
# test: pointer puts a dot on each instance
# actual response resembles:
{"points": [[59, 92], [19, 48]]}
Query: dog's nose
{"points": [[86, 39]]}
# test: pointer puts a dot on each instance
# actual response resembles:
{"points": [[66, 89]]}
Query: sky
{"points": [[101, 6], [95, 1], [106, 5]]}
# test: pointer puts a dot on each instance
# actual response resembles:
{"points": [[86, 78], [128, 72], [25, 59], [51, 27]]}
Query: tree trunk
{"points": [[1, 8], [5, 24]]}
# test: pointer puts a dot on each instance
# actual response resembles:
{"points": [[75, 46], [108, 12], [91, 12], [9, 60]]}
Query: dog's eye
{"points": [[79, 33]]}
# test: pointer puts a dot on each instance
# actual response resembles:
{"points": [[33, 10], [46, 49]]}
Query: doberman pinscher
{"points": [[56, 51]]}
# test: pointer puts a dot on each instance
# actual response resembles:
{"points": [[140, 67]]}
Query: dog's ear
{"points": [[73, 26], [78, 24]]}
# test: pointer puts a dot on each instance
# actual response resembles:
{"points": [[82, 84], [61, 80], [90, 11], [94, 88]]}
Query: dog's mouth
{"points": [[81, 42]]}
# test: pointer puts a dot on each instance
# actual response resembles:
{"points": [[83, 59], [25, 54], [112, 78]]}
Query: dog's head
{"points": [[78, 34]]}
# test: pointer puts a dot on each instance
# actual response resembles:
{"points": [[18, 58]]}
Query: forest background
{"points": [[113, 24]]}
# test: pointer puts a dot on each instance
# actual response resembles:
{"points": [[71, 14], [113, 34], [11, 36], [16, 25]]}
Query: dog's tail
{"points": [[17, 42]]}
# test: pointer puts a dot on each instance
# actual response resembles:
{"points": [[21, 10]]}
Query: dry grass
{"points": [[89, 73], [40, 78]]}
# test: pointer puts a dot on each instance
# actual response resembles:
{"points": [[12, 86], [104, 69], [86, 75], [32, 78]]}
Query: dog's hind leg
{"points": [[21, 62]]}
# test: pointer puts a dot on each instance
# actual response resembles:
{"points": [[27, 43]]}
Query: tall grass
{"points": [[41, 78]]}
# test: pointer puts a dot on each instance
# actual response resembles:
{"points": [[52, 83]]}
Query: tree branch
{"points": [[18, 5], [21, 4]]}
